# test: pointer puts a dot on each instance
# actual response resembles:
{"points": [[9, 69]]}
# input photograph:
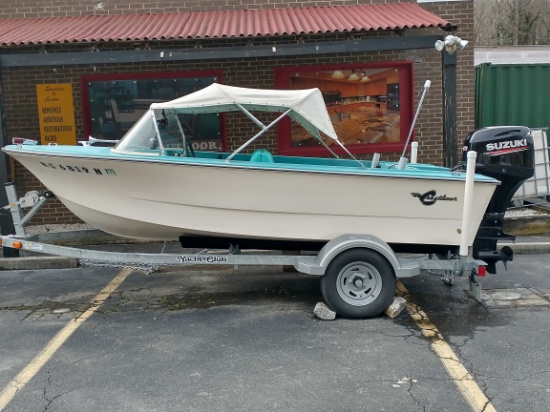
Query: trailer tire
{"points": [[358, 283]]}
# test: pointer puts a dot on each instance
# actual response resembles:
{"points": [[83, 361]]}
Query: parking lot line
{"points": [[456, 370], [58, 340]]}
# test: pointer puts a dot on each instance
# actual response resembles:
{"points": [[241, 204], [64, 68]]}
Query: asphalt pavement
{"points": [[190, 339], [198, 338]]}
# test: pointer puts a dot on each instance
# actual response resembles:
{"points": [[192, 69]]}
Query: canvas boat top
{"points": [[307, 106]]}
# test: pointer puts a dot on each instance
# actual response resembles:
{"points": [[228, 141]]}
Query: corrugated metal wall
{"points": [[512, 95]]}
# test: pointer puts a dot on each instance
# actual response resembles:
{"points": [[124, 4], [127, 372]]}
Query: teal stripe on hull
{"points": [[216, 159]]}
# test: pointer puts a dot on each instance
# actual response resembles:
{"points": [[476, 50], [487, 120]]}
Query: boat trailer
{"points": [[358, 272]]}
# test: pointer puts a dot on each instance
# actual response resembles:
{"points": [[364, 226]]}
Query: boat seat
{"points": [[261, 155]]}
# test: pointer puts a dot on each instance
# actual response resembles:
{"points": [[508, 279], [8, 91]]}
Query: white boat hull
{"points": [[156, 200]]}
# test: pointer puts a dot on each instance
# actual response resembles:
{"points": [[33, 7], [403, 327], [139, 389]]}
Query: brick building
{"points": [[106, 51]]}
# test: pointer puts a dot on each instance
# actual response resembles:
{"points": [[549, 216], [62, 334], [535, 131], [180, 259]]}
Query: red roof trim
{"points": [[216, 24]]}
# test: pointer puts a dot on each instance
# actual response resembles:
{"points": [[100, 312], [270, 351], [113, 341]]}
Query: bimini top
{"points": [[307, 106]]}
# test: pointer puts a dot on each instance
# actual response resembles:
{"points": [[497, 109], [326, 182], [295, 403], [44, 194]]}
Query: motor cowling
{"points": [[505, 153]]}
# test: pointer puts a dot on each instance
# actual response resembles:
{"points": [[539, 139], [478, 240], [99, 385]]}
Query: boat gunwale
{"points": [[246, 164]]}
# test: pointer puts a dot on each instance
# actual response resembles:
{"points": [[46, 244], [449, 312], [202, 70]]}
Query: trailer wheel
{"points": [[359, 283]]}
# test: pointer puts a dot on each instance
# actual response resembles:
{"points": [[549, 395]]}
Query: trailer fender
{"points": [[317, 265]]}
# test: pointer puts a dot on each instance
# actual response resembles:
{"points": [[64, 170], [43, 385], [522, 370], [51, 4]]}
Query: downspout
{"points": [[6, 222], [449, 108]]}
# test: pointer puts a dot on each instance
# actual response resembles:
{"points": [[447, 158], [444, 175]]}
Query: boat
{"points": [[153, 186]]}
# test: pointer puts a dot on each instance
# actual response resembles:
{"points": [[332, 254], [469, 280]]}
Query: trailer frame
{"points": [[359, 279]]}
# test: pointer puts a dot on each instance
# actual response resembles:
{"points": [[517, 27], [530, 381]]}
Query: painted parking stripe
{"points": [[58, 340], [459, 374]]}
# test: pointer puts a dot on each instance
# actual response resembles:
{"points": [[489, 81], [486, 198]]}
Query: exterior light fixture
{"points": [[451, 44]]}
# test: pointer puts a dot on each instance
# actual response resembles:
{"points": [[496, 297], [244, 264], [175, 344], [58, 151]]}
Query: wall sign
{"points": [[56, 113]]}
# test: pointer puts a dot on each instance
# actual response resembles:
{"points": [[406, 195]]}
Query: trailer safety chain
{"points": [[146, 269], [447, 276]]}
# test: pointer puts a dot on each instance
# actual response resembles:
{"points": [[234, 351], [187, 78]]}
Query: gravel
{"points": [[524, 212], [56, 228]]}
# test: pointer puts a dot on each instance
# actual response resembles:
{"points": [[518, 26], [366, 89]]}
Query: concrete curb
{"points": [[529, 248], [38, 263], [80, 238], [75, 238]]}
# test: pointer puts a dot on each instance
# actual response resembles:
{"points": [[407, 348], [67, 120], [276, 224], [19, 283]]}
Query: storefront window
{"points": [[112, 104], [370, 106]]}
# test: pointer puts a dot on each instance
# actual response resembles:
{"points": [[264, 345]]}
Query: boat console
{"points": [[505, 153]]}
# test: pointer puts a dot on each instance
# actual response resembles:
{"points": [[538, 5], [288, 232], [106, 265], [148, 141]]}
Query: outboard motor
{"points": [[505, 153]]}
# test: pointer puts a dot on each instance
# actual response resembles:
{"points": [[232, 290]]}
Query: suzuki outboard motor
{"points": [[505, 153]]}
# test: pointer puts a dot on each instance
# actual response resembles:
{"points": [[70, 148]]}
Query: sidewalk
{"points": [[530, 245], [88, 238]]}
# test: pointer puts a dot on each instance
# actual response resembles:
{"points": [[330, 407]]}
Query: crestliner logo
{"points": [[508, 146], [429, 198]]}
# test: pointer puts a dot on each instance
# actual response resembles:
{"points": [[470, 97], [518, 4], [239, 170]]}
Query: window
{"points": [[112, 104], [370, 106]]}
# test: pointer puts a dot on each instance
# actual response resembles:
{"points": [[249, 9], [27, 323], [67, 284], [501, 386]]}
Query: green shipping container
{"points": [[509, 95]]}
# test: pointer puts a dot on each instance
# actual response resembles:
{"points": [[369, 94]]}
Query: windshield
{"points": [[142, 138]]}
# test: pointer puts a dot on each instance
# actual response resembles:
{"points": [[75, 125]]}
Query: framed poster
{"points": [[370, 106]]}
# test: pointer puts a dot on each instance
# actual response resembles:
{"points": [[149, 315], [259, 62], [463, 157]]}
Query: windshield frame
{"points": [[145, 136]]}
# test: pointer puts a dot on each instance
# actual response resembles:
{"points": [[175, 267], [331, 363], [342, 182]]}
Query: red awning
{"points": [[216, 24]]}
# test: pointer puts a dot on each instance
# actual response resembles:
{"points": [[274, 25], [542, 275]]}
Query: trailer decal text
{"points": [[202, 259]]}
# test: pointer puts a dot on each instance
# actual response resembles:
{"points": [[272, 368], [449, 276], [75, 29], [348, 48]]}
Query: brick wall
{"points": [[20, 92]]}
